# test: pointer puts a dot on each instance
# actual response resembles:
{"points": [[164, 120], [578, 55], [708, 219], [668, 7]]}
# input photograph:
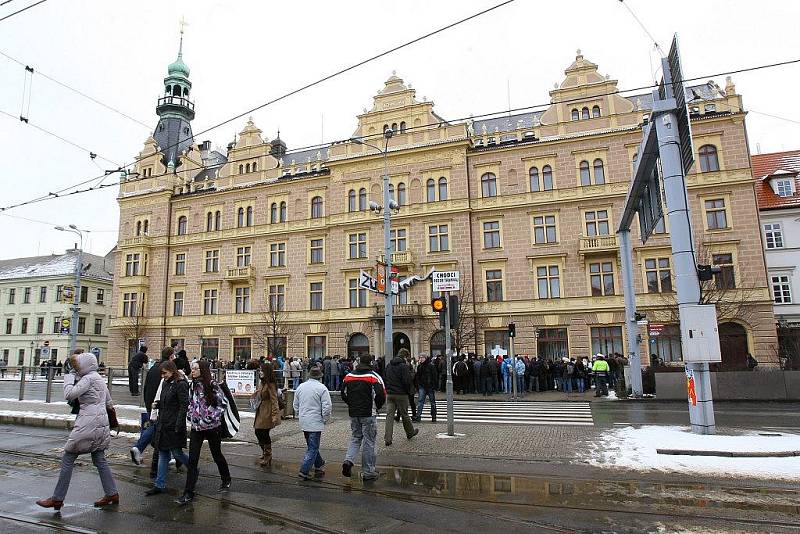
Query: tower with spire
{"points": [[175, 110]]}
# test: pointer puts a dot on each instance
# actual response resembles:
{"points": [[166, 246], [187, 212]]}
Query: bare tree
{"points": [[270, 331], [788, 348], [130, 328], [469, 325]]}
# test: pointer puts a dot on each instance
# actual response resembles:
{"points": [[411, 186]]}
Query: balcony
{"points": [[398, 258], [597, 244], [233, 274], [400, 311]]}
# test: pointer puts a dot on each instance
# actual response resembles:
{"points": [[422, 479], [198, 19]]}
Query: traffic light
{"points": [[439, 304], [512, 330]]}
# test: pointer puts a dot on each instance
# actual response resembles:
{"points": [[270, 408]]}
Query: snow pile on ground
{"points": [[635, 448]]}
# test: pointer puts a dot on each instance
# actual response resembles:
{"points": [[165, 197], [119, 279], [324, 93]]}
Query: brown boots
{"points": [[266, 456], [50, 503]]}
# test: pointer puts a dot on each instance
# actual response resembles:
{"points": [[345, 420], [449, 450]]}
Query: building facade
{"points": [[779, 206], [259, 249], [32, 307]]}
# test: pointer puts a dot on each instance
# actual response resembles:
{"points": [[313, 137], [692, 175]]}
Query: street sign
{"points": [[446, 280], [45, 353], [68, 293], [672, 87], [655, 329], [380, 282], [96, 352], [65, 324]]}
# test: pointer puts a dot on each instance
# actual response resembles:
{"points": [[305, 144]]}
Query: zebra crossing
{"points": [[512, 413]]}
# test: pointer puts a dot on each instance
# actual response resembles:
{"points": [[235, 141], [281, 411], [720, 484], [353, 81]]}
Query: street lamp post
{"points": [[76, 298], [388, 205]]}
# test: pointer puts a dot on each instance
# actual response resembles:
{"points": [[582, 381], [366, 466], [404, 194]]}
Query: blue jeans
{"points": [[312, 457], [520, 384], [163, 464], [336, 382], [507, 383], [364, 432], [568, 384], [295, 382], [581, 384], [431, 395], [146, 437]]}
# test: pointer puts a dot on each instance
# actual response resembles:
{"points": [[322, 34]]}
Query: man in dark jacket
{"points": [[364, 393], [151, 382], [427, 379], [182, 363], [398, 382], [134, 368]]}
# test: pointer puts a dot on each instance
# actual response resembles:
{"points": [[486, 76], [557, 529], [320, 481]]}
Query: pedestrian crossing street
{"points": [[512, 413]]}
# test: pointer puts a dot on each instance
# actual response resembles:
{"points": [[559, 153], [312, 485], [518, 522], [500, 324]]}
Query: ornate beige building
{"points": [[525, 206]]}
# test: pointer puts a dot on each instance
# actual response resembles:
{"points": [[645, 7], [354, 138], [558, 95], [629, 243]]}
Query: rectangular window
{"points": [[101, 296], [24, 326], [210, 298], [212, 261], [26, 296], [241, 348], [9, 325], [358, 295], [242, 300], [398, 239], [177, 303], [773, 234], [98, 327], [277, 297], [439, 238], [132, 265], [315, 295], [43, 294], [553, 343], [544, 229], [784, 188], [81, 325], [601, 276], [491, 234], [12, 293], [494, 285], [243, 256], [277, 255], [548, 281], [59, 293], [180, 264], [5, 355], [21, 357], [781, 289], [40, 325], [658, 275], [129, 305], [726, 279], [358, 245], [84, 294], [316, 347], [317, 254], [607, 340], [57, 325], [495, 342], [667, 344], [716, 217], [596, 223], [209, 348]]}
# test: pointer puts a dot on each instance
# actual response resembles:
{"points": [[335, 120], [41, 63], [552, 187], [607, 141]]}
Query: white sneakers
{"points": [[136, 456]]}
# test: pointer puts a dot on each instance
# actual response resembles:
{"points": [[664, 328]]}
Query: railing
{"points": [[138, 240], [400, 310], [398, 258], [239, 273], [176, 100], [599, 242]]}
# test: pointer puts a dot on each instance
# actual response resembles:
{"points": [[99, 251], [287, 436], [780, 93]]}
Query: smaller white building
{"points": [[778, 193], [31, 307]]}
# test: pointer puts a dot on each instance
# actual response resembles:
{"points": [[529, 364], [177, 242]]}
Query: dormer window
{"points": [[710, 108], [784, 187]]}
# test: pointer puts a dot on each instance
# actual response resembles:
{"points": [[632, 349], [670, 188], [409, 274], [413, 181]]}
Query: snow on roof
{"points": [[54, 265]]}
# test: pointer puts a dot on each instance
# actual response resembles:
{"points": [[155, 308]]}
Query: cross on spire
{"points": [[183, 25]]}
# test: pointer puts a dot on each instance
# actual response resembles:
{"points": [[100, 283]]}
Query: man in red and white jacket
{"points": [[364, 393]]}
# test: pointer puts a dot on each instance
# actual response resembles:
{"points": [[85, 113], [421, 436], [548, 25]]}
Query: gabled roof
{"points": [[56, 265], [776, 164]]}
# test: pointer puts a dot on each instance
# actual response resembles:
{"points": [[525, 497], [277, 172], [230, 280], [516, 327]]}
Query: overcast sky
{"points": [[243, 53]]}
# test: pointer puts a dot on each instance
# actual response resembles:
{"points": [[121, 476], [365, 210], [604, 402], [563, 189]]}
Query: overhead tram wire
{"points": [[425, 127], [644, 28], [21, 10]]}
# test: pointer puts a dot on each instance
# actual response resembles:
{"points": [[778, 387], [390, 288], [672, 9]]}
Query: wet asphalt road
{"points": [[483, 497]]}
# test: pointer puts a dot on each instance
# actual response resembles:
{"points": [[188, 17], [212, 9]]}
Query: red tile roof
{"points": [[765, 165]]}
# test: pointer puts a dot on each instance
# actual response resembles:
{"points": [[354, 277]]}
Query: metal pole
{"points": [[701, 416], [49, 394], [110, 374], [388, 333], [22, 383], [513, 368], [449, 356], [631, 327], [73, 327]]}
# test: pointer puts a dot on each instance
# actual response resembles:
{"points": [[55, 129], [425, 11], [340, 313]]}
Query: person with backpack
{"points": [[427, 377], [268, 412], [569, 374], [364, 393], [205, 411], [580, 376]]}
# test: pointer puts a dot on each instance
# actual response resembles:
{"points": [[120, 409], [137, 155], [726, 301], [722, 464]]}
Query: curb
{"points": [[729, 454], [62, 424]]}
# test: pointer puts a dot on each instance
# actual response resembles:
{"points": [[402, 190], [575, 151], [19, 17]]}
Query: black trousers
{"points": [[262, 435], [196, 439], [133, 380]]}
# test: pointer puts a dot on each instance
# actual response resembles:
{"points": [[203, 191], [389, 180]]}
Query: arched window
{"points": [[534, 179], [575, 114], [586, 179], [241, 169], [255, 163], [401, 194], [209, 221], [547, 178], [595, 111], [442, 188], [599, 174], [240, 217], [146, 227], [247, 168], [431, 190], [176, 90], [273, 212], [217, 220], [391, 191], [709, 161], [249, 215], [169, 89], [585, 113], [186, 92], [362, 199], [394, 127], [402, 126], [283, 212], [489, 185], [316, 207], [138, 228], [351, 200], [183, 224]]}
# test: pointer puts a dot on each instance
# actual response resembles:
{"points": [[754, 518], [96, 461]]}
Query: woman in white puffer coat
{"points": [[91, 433]]}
